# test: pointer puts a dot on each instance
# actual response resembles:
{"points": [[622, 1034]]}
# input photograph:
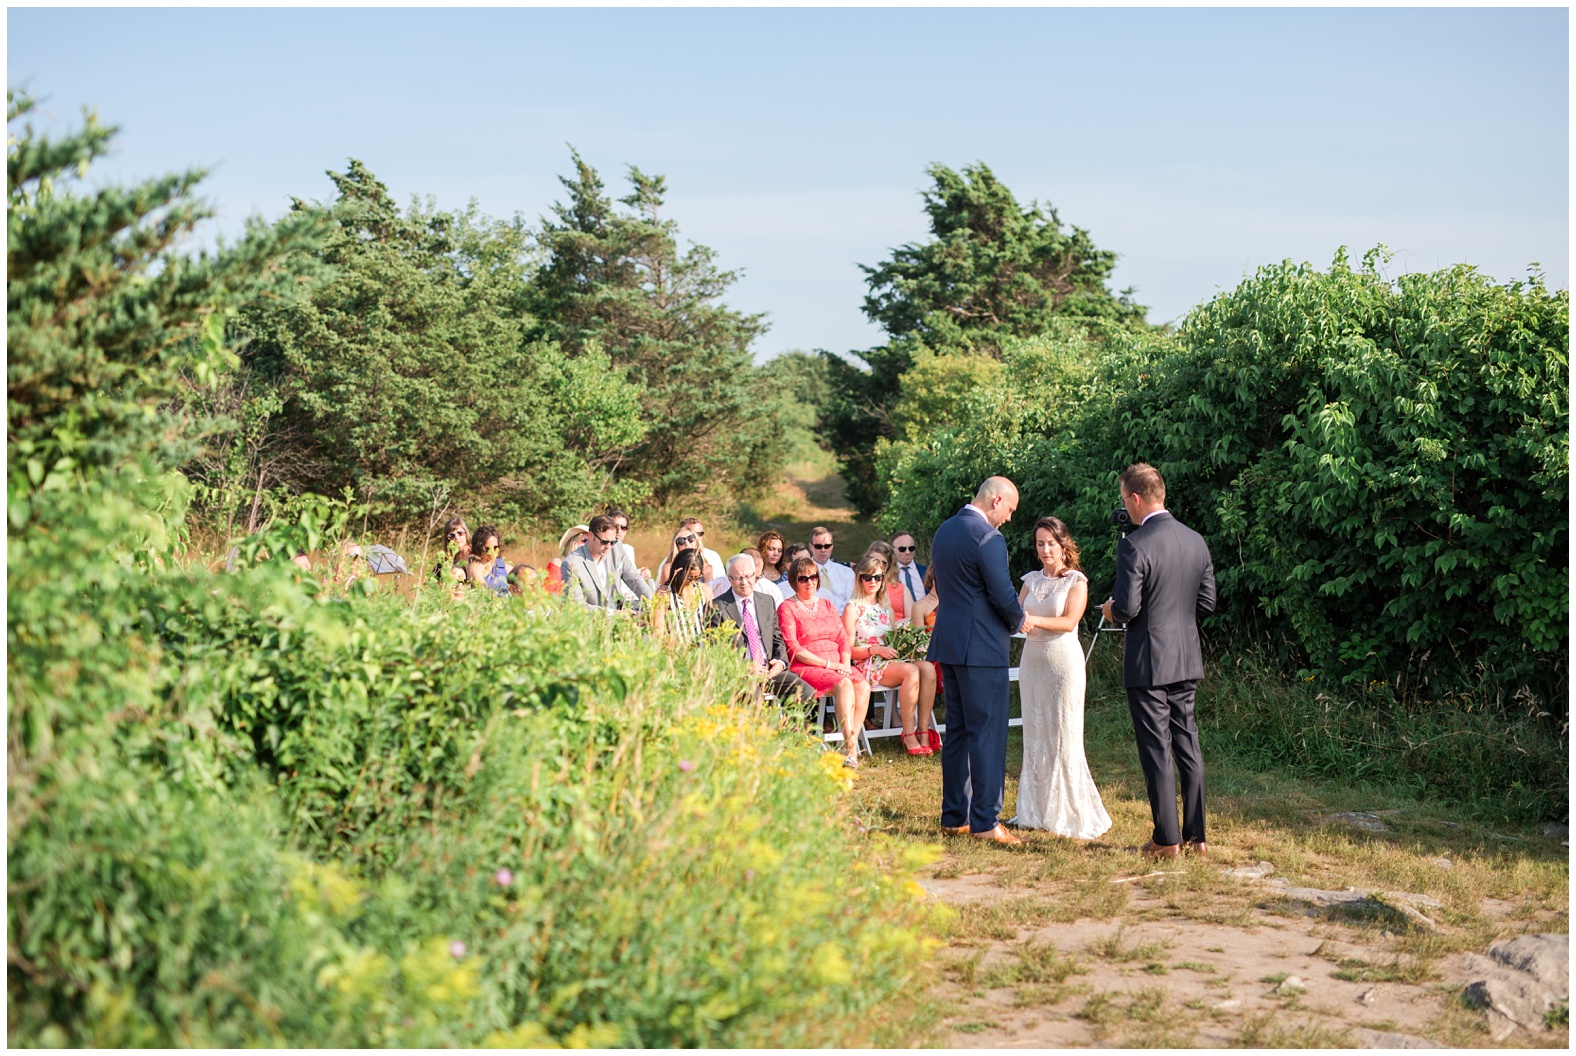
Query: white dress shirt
{"points": [[837, 584]]}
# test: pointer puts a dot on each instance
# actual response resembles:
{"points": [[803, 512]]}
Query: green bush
{"points": [[1380, 468]]}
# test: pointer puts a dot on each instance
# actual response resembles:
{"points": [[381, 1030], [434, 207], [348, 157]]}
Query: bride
{"points": [[1055, 790]]}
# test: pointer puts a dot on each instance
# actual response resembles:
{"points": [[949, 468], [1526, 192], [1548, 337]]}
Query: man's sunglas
{"points": [[604, 542], [904, 549], [822, 546], [807, 579], [625, 528]]}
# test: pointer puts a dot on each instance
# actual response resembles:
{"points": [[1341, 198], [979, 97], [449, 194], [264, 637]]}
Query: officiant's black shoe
{"points": [[955, 830], [1197, 847], [1160, 850], [998, 835]]}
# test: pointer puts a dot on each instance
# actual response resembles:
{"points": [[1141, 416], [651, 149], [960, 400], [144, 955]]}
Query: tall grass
{"points": [[1496, 765]]}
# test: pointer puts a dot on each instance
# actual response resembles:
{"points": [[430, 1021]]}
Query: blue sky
{"points": [[1198, 144]]}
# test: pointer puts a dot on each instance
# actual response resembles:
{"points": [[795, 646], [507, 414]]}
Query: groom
{"points": [[1164, 582], [978, 614]]}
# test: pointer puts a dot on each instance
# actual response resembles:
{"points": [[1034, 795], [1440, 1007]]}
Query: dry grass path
{"points": [[1084, 943]]}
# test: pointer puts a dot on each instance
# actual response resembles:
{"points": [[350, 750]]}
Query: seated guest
{"points": [[867, 619], [793, 553], [683, 539], [774, 560], [621, 529], [719, 586], [713, 559], [594, 572], [745, 606], [457, 549], [567, 542], [909, 570], [837, 579], [487, 565], [897, 597], [678, 610], [818, 652], [522, 578]]}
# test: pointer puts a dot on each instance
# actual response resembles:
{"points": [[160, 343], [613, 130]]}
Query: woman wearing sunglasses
{"points": [[818, 651], [683, 539], [867, 619], [457, 547], [487, 564]]}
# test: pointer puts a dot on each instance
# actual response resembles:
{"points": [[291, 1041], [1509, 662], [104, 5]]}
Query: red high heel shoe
{"points": [[933, 739], [916, 748]]}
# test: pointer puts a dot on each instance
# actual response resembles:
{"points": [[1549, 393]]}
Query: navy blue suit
{"points": [[913, 577], [976, 618]]}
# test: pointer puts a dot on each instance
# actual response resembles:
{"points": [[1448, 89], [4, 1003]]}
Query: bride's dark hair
{"points": [[1059, 532]]}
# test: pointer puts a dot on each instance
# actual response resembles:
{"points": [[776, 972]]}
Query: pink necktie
{"points": [[752, 632]]}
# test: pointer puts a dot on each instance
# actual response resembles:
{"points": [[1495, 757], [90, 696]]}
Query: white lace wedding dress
{"points": [[1055, 790]]}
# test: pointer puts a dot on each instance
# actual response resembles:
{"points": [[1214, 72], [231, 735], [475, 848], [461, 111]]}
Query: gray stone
{"points": [[1510, 1003], [1557, 828], [1368, 996], [1519, 980], [1357, 819], [1444, 863], [1387, 1039], [1405, 903], [1547, 958], [1257, 871], [1291, 985]]}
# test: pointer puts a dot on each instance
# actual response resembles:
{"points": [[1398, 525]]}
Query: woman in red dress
{"points": [[818, 651]]}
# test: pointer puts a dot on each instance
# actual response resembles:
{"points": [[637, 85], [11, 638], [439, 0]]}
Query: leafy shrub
{"points": [[1380, 468]]}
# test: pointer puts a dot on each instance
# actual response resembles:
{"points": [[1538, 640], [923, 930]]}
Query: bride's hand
{"points": [[885, 652]]}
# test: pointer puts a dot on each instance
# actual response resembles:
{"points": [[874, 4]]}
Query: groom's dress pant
{"points": [[1163, 724], [974, 754]]}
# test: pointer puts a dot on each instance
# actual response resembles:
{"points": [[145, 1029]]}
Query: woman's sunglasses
{"points": [[684, 540], [868, 578], [807, 579]]}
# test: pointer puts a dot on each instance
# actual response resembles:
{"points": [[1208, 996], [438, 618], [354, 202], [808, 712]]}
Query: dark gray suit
{"points": [[725, 608], [1164, 582]]}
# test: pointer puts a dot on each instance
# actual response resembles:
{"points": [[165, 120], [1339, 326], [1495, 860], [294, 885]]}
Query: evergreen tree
{"points": [[990, 272], [409, 375], [618, 278]]}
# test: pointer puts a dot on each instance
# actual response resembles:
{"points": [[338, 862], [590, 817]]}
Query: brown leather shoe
{"points": [[955, 830], [998, 835], [1160, 850], [1197, 847]]}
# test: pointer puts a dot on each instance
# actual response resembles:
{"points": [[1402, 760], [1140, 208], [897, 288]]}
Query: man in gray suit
{"points": [[598, 573], [1164, 582]]}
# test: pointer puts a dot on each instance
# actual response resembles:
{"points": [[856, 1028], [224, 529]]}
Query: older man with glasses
{"points": [[598, 574], [837, 579], [754, 612]]}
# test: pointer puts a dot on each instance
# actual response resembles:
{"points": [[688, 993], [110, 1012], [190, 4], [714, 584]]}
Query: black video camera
{"points": [[1120, 520]]}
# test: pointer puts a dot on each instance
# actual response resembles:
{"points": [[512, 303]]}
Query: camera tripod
{"points": [[1111, 626]]}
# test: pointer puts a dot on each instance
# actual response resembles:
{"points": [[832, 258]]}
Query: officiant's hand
{"points": [[1105, 610]]}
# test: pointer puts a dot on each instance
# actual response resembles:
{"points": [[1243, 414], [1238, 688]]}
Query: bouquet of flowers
{"points": [[910, 643]]}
